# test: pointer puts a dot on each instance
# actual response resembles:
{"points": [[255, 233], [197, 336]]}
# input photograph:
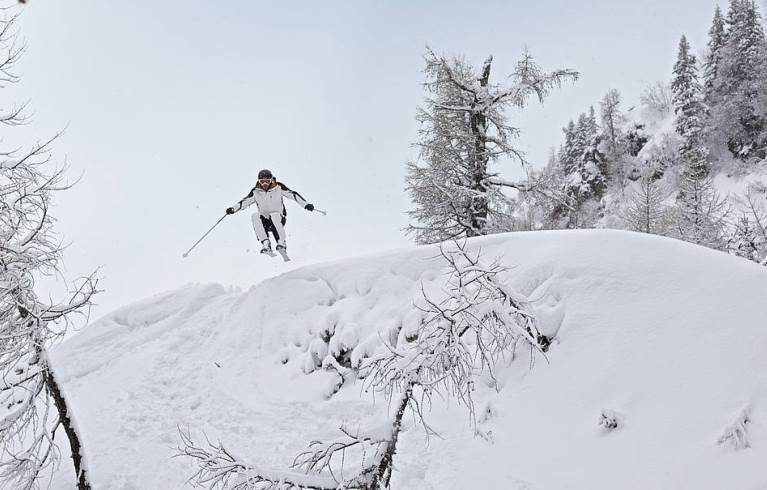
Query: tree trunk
{"points": [[478, 122], [383, 474], [74, 440]]}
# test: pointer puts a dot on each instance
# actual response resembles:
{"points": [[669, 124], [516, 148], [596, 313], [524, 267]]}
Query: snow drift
{"points": [[657, 376]]}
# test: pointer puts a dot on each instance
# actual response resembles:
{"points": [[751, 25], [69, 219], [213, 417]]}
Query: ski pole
{"points": [[184, 255], [324, 213]]}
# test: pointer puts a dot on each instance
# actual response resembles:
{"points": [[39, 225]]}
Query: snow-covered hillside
{"points": [[667, 339]]}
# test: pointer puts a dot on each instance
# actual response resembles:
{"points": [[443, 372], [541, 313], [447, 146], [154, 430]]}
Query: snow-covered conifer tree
{"points": [[464, 131], [700, 212], [738, 103], [583, 169], [715, 44], [569, 153], [746, 241], [690, 110], [32, 406], [594, 165]]}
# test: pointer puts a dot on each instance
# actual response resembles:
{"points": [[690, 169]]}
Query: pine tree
{"points": [[464, 131]]}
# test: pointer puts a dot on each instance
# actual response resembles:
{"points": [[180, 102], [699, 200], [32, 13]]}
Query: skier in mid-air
{"points": [[267, 195]]}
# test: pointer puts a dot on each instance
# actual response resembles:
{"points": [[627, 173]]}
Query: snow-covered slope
{"points": [[668, 338]]}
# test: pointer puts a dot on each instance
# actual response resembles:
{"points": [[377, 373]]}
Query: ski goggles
{"points": [[264, 182]]}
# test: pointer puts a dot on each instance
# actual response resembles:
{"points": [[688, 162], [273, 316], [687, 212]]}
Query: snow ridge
{"points": [[661, 339]]}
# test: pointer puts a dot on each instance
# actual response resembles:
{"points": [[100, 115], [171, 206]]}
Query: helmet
{"points": [[265, 174]]}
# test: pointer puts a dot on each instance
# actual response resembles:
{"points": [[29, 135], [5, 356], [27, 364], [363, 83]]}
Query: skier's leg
{"points": [[269, 227], [258, 227], [278, 226]]}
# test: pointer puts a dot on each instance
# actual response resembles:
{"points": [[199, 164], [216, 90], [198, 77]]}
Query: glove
{"points": [[229, 210], [309, 207]]}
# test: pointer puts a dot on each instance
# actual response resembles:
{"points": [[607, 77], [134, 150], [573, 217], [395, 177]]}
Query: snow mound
{"points": [[657, 376]]}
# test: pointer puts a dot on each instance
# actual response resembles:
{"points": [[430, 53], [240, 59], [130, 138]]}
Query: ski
{"points": [[284, 254]]}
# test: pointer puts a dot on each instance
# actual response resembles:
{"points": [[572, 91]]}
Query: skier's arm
{"points": [[243, 203], [291, 194]]}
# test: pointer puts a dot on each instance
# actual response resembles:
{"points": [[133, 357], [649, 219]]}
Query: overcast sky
{"points": [[173, 106]]}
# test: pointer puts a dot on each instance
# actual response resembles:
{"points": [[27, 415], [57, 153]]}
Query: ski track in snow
{"points": [[667, 337]]}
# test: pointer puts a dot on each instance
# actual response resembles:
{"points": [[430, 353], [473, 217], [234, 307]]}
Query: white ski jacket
{"points": [[270, 201]]}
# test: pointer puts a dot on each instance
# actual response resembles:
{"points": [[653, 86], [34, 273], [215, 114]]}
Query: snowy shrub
{"points": [[311, 361], [333, 385], [364, 350], [610, 420], [343, 342], [735, 435], [410, 324], [329, 327], [318, 349], [749, 238], [393, 332], [308, 366]]}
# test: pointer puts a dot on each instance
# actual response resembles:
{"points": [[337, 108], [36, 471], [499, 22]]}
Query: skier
{"points": [[268, 194]]}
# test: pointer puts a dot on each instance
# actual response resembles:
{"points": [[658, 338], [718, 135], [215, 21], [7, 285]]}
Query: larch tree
{"points": [[645, 209], [32, 405], [612, 121], [750, 236], [464, 132]]}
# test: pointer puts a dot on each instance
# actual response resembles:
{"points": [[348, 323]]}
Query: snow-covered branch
{"points": [[218, 468], [319, 467], [476, 321]]}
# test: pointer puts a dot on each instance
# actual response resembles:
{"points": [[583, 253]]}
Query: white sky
{"points": [[172, 107]]}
